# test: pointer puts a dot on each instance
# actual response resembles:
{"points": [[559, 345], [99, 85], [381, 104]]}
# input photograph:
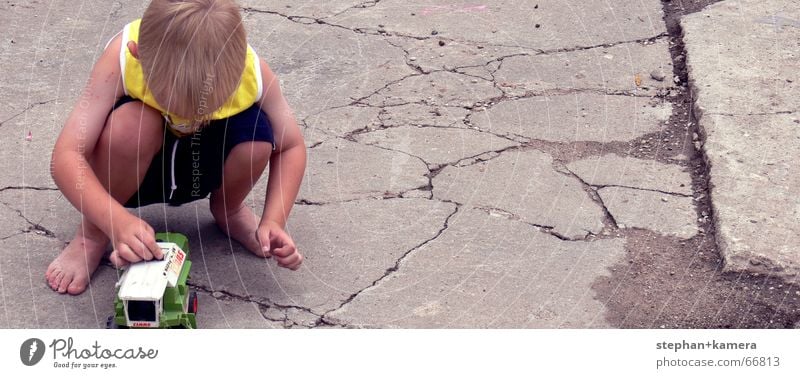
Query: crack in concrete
{"points": [[608, 218], [643, 189], [778, 112], [546, 229], [262, 303], [394, 268], [27, 187], [644, 41], [27, 108], [34, 227], [366, 4]]}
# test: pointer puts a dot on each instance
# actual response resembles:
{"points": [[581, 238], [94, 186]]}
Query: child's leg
{"points": [[243, 166], [131, 137]]}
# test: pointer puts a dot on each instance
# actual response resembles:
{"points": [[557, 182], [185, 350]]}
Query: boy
{"points": [[178, 107]]}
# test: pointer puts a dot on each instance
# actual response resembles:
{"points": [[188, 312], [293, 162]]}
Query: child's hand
{"points": [[276, 242], [133, 240]]}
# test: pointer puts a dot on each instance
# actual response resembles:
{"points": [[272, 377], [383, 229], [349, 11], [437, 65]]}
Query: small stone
{"points": [[664, 199], [441, 55], [621, 226], [441, 43], [413, 58], [217, 295], [434, 32], [474, 81], [657, 75], [671, 273], [676, 79]]}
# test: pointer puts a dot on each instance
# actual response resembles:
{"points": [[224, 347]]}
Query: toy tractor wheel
{"points": [[192, 303]]}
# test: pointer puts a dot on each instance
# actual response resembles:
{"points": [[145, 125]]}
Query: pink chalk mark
{"points": [[29, 137], [452, 8]]}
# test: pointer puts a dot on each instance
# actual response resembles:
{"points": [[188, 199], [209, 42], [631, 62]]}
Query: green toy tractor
{"points": [[154, 294]]}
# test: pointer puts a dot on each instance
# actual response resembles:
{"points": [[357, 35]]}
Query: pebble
{"points": [[441, 43], [217, 295], [664, 199], [474, 81], [676, 79], [413, 58], [434, 32], [657, 75]]}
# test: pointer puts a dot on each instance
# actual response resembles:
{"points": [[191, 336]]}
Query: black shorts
{"points": [[198, 158]]}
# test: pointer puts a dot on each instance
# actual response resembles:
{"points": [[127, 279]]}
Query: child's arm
{"points": [[286, 167], [73, 174]]}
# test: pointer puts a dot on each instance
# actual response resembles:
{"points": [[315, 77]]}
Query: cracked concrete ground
{"points": [[510, 164]]}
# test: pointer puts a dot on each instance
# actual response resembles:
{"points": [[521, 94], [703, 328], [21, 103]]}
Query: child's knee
{"points": [[250, 154], [133, 131]]}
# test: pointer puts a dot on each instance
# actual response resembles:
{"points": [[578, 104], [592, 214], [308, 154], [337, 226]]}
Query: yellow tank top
{"points": [[247, 94]]}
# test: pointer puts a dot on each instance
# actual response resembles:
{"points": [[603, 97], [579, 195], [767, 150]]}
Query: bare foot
{"points": [[71, 271], [241, 225]]}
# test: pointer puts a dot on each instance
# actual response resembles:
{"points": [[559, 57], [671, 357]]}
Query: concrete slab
{"points": [[309, 9], [436, 145], [27, 163], [562, 24], [725, 41], [27, 301], [438, 88], [347, 247], [46, 208], [575, 117], [524, 184], [422, 115], [322, 67], [487, 271], [437, 54], [663, 213], [225, 312], [754, 190], [603, 69], [11, 223], [342, 121], [338, 170], [613, 170]]}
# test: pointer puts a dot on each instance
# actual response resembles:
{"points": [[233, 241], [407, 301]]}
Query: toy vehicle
{"points": [[154, 294]]}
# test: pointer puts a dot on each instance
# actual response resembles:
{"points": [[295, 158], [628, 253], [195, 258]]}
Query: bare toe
{"points": [[77, 286], [52, 279], [66, 279]]}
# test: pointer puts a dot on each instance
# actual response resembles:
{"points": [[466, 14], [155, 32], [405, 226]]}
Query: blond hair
{"points": [[192, 53]]}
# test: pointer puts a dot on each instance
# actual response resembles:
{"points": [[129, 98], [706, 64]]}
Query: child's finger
{"points": [[149, 240], [284, 251], [125, 252], [117, 261], [141, 249], [262, 235], [296, 264], [290, 260]]}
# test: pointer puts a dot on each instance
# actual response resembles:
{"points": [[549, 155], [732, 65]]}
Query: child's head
{"points": [[193, 54]]}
